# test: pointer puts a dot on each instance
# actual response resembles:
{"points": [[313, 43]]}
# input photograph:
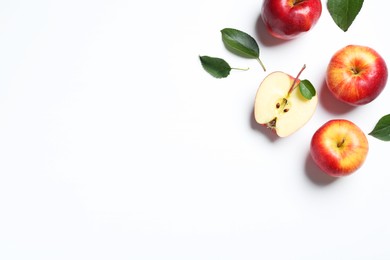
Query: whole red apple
{"points": [[339, 147], [356, 74], [286, 19]]}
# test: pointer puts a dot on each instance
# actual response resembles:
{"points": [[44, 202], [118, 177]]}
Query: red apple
{"points": [[339, 147], [286, 19], [356, 74]]}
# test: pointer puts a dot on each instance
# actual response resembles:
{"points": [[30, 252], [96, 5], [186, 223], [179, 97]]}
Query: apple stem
{"points": [[355, 71], [297, 2], [293, 86], [261, 63], [339, 144]]}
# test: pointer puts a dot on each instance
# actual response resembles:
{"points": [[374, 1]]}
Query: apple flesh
{"points": [[287, 19], [356, 75], [280, 106], [339, 147]]}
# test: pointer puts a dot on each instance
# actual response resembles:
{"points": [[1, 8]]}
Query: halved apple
{"points": [[279, 104]]}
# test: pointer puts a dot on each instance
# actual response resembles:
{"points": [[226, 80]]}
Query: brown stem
{"points": [[293, 86], [297, 2], [339, 144], [355, 70]]}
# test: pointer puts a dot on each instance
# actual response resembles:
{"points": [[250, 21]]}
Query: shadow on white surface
{"points": [[264, 37], [331, 104], [315, 174], [271, 135]]}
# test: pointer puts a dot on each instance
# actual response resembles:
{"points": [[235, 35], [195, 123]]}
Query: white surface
{"points": [[116, 144]]}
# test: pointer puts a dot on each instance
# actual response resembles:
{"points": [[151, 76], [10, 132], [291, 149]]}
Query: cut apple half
{"points": [[279, 104]]}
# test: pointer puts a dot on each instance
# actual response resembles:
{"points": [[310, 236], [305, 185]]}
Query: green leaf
{"points": [[382, 129], [307, 89], [344, 12], [216, 67], [240, 43]]}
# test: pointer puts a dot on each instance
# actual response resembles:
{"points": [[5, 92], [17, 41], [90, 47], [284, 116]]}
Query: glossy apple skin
{"points": [[356, 75], [339, 147], [287, 19]]}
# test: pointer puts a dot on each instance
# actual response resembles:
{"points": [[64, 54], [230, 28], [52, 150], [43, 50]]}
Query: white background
{"points": [[116, 144]]}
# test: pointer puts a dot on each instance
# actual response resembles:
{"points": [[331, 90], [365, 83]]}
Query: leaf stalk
{"points": [[261, 63]]}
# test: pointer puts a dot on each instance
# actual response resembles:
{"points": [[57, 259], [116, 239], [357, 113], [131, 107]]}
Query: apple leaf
{"points": [[307, 89], [382, 129], [344, 12], [242, 44], [216, 67]]}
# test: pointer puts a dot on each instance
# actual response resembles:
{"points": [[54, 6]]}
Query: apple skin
{"points": [[356, 74], [287, 19], [339, 147]]}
